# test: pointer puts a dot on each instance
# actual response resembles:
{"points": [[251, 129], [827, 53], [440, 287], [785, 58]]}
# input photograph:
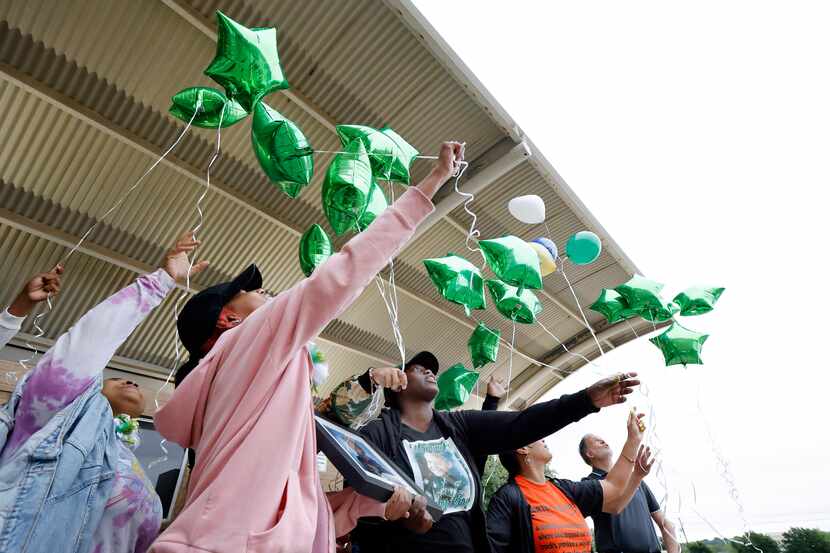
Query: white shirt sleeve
{"points": [[9, 326]]}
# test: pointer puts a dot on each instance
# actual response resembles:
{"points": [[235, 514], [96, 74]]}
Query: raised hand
{"points": [[635, 425], [176, 262], [452, 154], [38, 289], [612, 390], [495, 387], [389, 377], [644, 462]]}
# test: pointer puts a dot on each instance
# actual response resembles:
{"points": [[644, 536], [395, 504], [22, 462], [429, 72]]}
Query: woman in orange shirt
{"points": [[532, 513]]}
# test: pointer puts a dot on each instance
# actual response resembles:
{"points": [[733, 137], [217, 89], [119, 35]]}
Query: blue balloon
{"points": [[549, 245]]}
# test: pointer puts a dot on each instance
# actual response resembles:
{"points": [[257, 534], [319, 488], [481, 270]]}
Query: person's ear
{"points": [[227, 319], [523, 450]]}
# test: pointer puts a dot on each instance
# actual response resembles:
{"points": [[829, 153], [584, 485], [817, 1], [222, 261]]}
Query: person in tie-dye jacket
{"points": [[69, 481]]}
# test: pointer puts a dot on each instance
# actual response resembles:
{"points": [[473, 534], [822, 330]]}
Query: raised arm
{"points": [[615, 498], [621, 471], [299, 314], [79, 356], [490, 432], [38, 289]]}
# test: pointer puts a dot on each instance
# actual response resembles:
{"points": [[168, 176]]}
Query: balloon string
{"points": [[134, 186], [568, 351], [510, 364], [473, 233], [374, 154], [581, 311], [40, 332], [391, 302], [512, 349], [201, 220], [726, 474]]}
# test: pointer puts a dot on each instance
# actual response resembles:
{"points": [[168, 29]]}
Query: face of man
{"points": [[597, 449]]}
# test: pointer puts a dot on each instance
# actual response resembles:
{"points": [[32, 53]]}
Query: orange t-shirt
{"points": [[558, 526]]}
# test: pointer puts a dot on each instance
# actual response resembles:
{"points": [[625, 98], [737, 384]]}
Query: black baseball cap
{"points": [[426, 359], [197, 320]]}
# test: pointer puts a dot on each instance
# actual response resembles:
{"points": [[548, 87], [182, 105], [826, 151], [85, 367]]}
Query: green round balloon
{"points": [[521, 307], [455, 386], [346, 188], [283, 151], [211, 103], [315, 248], [483, 345], [247, 63], [513, 261], [457, 280], [583, 247]]}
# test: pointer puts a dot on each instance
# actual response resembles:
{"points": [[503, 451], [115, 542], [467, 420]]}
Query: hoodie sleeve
{"points": [[502, 514], [9, 326], [348, 506], [491, 432], [300, 314], [81, 354]]}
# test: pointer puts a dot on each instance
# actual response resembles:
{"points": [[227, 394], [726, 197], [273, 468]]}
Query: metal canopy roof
{"points": [[85, 87]]}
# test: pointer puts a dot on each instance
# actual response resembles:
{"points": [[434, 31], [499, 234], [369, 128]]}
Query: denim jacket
{"points": [[53, 492]]}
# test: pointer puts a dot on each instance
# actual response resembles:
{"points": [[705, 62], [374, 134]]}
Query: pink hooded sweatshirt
{"points": [[247, 411]]}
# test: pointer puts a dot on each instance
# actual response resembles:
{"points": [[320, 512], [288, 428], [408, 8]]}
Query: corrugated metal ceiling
{"points": [[84, 88]]}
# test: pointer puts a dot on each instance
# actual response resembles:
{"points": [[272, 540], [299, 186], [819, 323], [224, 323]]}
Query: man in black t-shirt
{"points": [[632, 530], [440, 451]]}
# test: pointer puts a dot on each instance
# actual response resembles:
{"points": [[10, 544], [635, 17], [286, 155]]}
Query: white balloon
{"points": [[528, 209]]}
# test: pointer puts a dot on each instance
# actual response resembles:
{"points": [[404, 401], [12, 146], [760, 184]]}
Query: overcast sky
{"points": [[698, 134]]}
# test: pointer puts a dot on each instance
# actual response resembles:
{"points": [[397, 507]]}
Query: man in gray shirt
{"points": [[632, 530]]}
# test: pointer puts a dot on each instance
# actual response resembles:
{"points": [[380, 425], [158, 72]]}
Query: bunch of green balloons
{"points": [[641, 297]]}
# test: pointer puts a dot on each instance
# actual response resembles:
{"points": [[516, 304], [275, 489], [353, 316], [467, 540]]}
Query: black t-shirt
{"points": [[441, 471], [586, 495], [632, 530]]}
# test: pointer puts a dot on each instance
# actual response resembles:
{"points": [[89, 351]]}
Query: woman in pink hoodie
{"points": [[246, 407]]}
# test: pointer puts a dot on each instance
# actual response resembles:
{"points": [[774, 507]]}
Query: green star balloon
{"points": [[315, 248], [612, 306], [642, 294], [484, 345], [455, 386], [697, 301], [391, 156], [346, 188], [376, 205], [680, 346], [247, 63], [513, 261], [457, 280], [213, 103], [521, 307], [659, 315], [282, 150]]}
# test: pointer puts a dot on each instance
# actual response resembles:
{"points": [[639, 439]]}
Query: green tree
{"points": [[760, 543], [806, 540], [494, 477], [697, 547]]}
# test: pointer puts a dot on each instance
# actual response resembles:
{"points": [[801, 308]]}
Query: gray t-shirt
{"points": [[631, 531]]}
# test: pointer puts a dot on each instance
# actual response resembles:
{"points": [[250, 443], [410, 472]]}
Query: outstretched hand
{"points": [[635, 425], [38, 289], [644, 462], [495, 387], [612, 390], [449, 161], [176, 262]]}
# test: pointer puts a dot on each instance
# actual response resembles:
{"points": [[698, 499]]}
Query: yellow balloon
{"points": [[547, 265]]}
